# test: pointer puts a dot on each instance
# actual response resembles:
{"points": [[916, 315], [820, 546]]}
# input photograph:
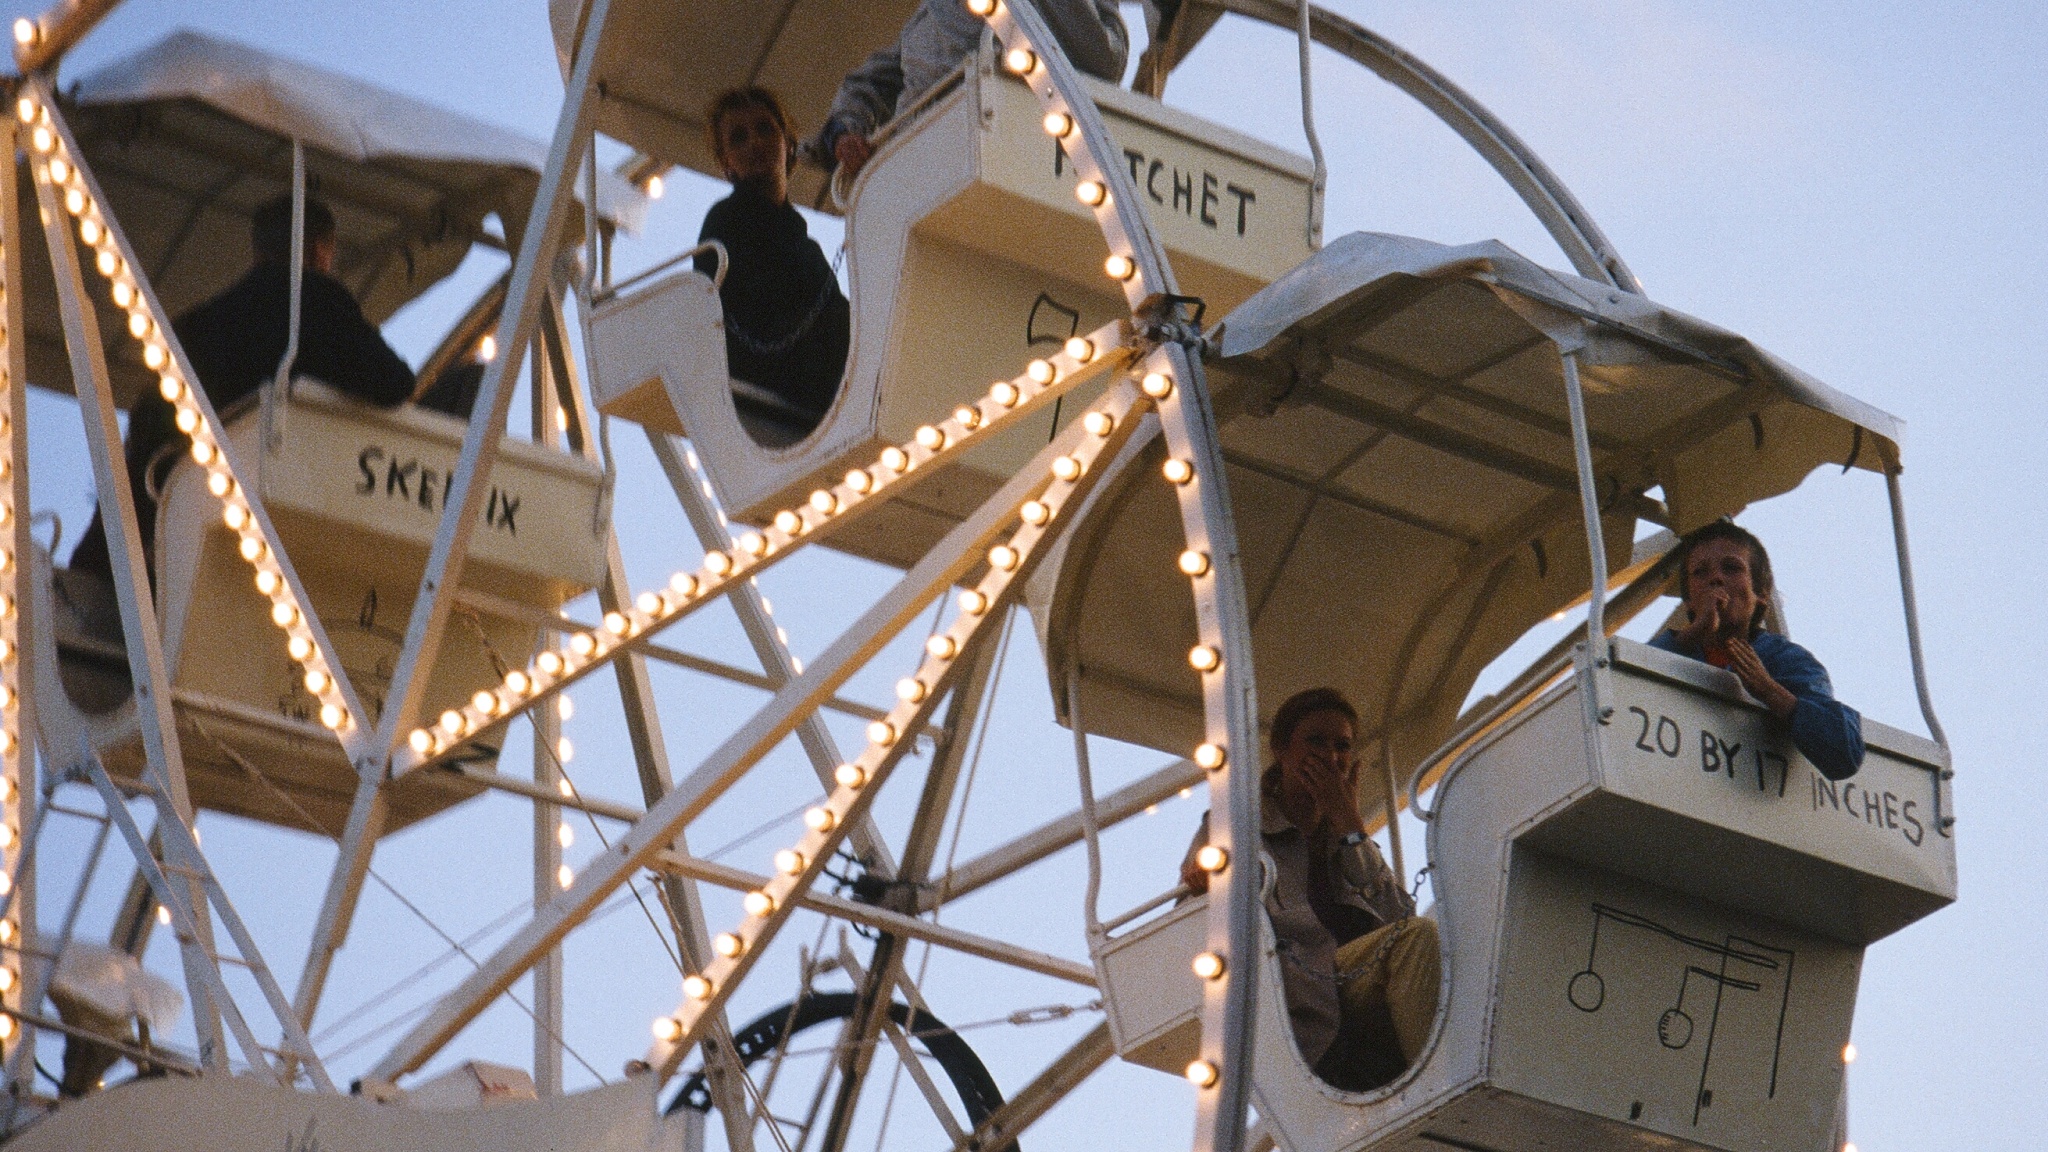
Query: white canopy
{"points": [[190, 135]]}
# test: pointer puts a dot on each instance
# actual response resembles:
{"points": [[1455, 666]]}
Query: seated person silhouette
{"points": [[787, 325], [934, 40], [1726, 586], [234, 343], [1360, 970]]}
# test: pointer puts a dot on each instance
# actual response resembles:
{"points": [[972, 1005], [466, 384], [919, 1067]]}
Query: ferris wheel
{"points": [[1245, 462]]}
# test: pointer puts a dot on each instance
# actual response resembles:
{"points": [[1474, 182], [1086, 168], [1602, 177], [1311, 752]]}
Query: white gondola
{"points": [[186, 138]]}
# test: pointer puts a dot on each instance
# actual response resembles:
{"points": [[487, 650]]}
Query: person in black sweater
{"points": [[787, 325], [234, 342]]}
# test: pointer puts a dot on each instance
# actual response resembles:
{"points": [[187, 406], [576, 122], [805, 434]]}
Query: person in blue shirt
{"points": [[1725, 578]]}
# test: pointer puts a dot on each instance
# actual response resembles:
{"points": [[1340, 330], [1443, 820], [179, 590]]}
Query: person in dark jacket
{"points": [[1359, 969], [787, 325], [1727, 585], [235, 341]]}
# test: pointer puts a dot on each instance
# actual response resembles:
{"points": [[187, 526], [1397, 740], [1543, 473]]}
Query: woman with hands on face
{"points": [[1725, 579], [1359, 969]]}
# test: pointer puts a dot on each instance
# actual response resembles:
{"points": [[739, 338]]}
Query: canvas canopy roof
{"points": [[189, 135], [663, 61], [1395, 427]]}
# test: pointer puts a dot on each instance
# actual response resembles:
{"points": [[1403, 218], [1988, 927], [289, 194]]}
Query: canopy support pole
{"points": [[1596, 539]]}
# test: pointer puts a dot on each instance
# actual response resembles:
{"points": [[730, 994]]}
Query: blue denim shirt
{"points": [[1826, 731]]}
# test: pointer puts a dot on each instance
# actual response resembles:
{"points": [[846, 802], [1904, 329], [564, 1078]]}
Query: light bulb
{"points": [[518, 682], [220, 484], [41, 139], [187, 420], [649, 603], [860, 481], [1066, 468], [74, 200], [967, 416], [25, 34], [1091, 193], [234, 516], [849, 776], [789, 862], [1157, 385], [881, 733], [564, 751], [485, 701], [910, 690], [1004, 557], [758, 903], [565, 835], [1021, 60], [253, 548], [109, 263], [753, 544], [1080, 348], [1120, 267], [973, 603], [201, 450], [1035, 513], [654, 187], [123, 293], [667, 1029], [1058, 124], [824, 503], [451, 722], [139, 325], [316, 681], [284, 615], [89, 230], [25, 108], [728, 945], [1211, 858], [549, 663], [816, 819], [565, 707], [895, 459], [682, 584], [1208, 965], [333, 717], [1848, 1053], [1204, 658], [582, 644], [930, 438], [1202, 1074], [266, 581], [982, 8], [170, 388], [6, 979], [299, 646], [565, 876], [422, 741], [1005, 393], [1177, 471], [1041, 371], [163, 914], [617, 624], [1099, 423], [789, 522], [1209, 756]]}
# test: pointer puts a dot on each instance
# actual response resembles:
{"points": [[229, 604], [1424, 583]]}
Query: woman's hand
{"points": [[1334, 789], [1705, 626], [852, 151], [1747, 665]]}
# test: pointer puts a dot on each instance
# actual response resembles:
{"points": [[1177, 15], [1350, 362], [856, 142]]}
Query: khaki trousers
{"points": [[1392, 973]]}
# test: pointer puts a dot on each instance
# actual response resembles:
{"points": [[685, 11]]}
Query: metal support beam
{"points": [[1062, 1076], [18, 803]]}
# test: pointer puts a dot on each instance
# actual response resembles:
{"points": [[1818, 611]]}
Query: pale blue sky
{"points": [[1859, 188]]}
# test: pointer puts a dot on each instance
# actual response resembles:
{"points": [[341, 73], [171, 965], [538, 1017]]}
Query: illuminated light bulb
{"points": [[124, 294], [696, 987], [6, 559], [667, 1029], [1066, 468], [1041, 371], [1058, 124], [549, 663], [654, 187], [1209, 756], [6, 701], [717, 563], [942, 647], [1193, 563], [283, 615], [728, 945], [758, 903], [1848, 1053], [6, 835], [89, 230], [1099, 423], [910, 689], [42, 139], [1091, 193], [1202, 1074], [561, 419], [565, 876], [564, 751], [930, 438], [253, 548], [1211, 858], [1177, 471], [6, 1027], [6, 605], [163, 914], [789, 522], [1203, 658], [299, 647], [967, 416], [973, 603], [1005, 393], [789, 862], [582, 644], [451, 722], [1022, 61], [6, 979], [849, 775], [1080, 348], [617, 624], [187, 420], [485, 701], [518, 682], [220, 484], [24, 108], [753, 544], [26, 33], [152, 354], [895, 459], [422, 741], [1120, 267], [1157, 385], [202, 451], [1035, 513], [860, 481], [487, 348], [74, 200], [816, 819], [682, 584], [565, 835], [317, 681], [982, 8], [881, 733], [824, 503], [649, 603], [108, 262], [1004, 557], [333, 717], [1208, 965]]}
